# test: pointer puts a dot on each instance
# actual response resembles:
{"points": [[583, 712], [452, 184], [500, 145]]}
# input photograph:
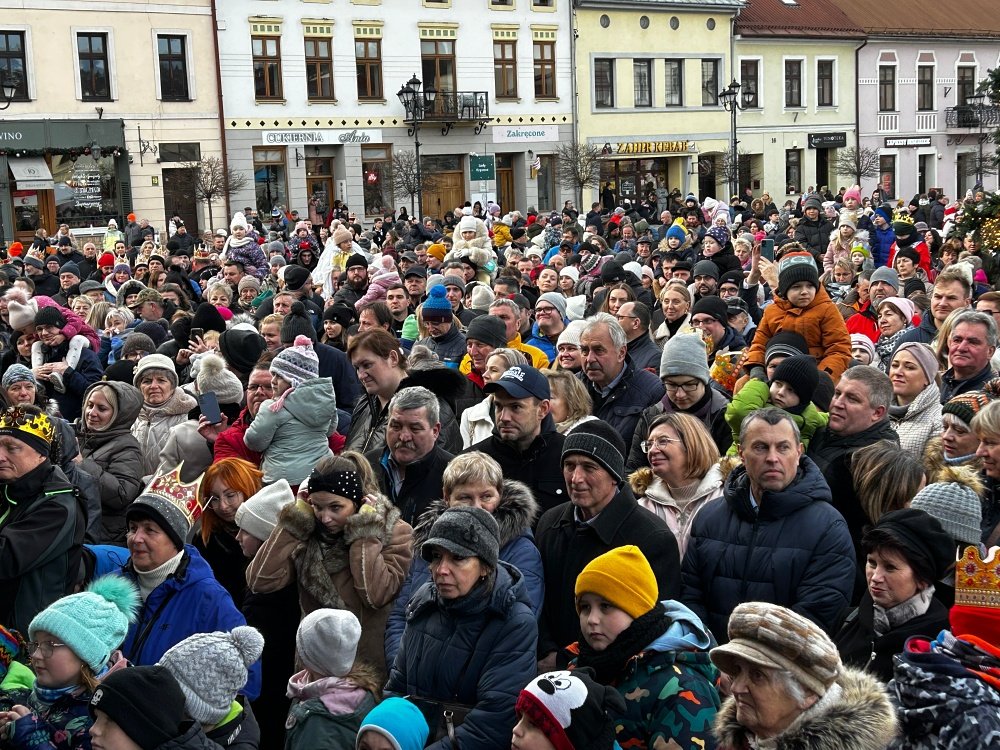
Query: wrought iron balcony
{"points": [[971, 117], [451, 108]]}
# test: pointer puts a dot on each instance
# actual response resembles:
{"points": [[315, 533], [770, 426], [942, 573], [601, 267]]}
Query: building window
{"points": [[709, 83], [13, 63], [179, 152], [266, 66], [543, 4], [505, 69], [793, 171], [604, 83], [319, 68], [368, 55], [793, 83], [544, 54], [376, 168], [545, 179], [438, 61], [824, 83], [269, 179], [673, 74], [642, 82], [887, 169], [886, 88], [173, 67], [966, 83], [925, 88], [502, 4], [95, 77], [750, 82]]}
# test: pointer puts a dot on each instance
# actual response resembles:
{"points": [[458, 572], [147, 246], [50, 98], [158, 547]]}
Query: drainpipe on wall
{"points": [[222, 116], [857, 95], [573, 92]]}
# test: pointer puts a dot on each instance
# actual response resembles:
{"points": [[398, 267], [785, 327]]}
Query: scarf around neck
{"points": [[610, 663]]}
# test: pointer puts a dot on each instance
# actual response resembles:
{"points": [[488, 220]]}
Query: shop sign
{"points": [[924, 140], [482, 168], [86, 186], [649, 147], [525, 134], [320, 137], [827, 140], [25, 198]]}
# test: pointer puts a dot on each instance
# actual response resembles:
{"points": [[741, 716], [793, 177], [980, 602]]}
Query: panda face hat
{"points": [[571, 709]]}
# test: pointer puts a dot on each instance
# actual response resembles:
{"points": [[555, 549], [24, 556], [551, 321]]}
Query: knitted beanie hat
{"points": [[886, 274], [685, 354], [957, 508], [248, 282], [801, 374], [296, 277], [774, 637], [714, 306], [213, 377], [137, 342], [327, 642], [342, 234], [965, 406], [720, 234], [50, 316], [155, 362], [467, 224], [796, 267], [482, 297], [555, 299], [145, 702], [438, 251], [599, 441], [622, 577], [487, 329], [241, 349], [398, 721], [297, 363], [437, 306], [860, 341], [410, 330], [465, 531], [705, 268], [94, 622], [903, 306], [571, 333], [211, 668], [812, 201], [572, 710], [258, 514], [207, 317], [18, 373], [20, 314], [924, 356], [676, 232], [297, 323], [909, 253], [356, 260], [154, 329], [785, 344]]}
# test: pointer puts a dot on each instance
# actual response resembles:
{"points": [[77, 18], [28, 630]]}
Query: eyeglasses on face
{"points": [[688, 387], [661, 443], [46, 648]]}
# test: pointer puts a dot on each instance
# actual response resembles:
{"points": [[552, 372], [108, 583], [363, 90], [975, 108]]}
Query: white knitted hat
{"points": [[327, 641], [258, 515]]}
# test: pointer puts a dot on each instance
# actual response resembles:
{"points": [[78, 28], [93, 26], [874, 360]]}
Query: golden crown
{"points": [[183, 496], [977, 581], [902, 216], [38, 425]]}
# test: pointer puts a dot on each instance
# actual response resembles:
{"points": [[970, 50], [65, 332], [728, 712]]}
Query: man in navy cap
{"points": [[525, 442]]}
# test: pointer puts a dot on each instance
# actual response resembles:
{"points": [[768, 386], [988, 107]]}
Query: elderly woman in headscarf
{"points": [[789, 689]]}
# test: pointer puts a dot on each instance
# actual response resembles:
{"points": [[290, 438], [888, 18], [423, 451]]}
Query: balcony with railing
{"points": [[450, 108], [971, 117], [888, 122]]}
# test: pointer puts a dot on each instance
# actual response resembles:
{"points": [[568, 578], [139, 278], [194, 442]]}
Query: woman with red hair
{"points": [[225, 486]]}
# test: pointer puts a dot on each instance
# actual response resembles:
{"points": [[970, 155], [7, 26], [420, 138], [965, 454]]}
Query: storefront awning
{"points": [[31, 173]]}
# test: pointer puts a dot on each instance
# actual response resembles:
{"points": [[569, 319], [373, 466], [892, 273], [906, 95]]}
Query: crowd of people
{"points": [[722, 476]]}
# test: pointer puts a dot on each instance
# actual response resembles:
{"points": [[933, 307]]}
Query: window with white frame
{"points": [[750, 82], [604, 83], [673, 76], [925, 88], [886, 88], [642, 79], [709, 83], [825, 83], [793, 83]]}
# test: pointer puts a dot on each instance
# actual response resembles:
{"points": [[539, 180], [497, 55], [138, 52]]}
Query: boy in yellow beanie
{"points": [[654, 653]]}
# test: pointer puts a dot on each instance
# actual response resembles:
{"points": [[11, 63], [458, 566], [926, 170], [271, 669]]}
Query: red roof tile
{"points": [[925, 17], [804, 18]]}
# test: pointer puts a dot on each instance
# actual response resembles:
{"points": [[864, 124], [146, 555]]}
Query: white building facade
{"points": [[312, 113]]}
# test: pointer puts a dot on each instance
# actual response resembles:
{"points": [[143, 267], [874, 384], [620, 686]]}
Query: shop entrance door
{"points": [[505, 182], [822, 167], [33, 210], [178, 198], [319, 184]]}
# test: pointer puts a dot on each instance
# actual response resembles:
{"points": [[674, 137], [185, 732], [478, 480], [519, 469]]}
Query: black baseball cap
{"points": [[521, 381], [416, 271]]}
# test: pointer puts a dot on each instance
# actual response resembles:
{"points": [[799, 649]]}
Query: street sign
{"points": [[482, 167]]}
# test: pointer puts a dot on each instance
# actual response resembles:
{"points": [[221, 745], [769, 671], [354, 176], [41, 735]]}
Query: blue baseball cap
{"points": [[521, 381]]}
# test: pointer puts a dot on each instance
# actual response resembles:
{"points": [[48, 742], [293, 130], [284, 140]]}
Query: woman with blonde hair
{"points": [[683, 473], [675, 311], [97, 315], [885, 478], [225, 486], [570, 403]]}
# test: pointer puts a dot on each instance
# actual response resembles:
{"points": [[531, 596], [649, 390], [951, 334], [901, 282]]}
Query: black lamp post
{"points": [[9, 90], [731, 102], [978, 101], [416, 103]]}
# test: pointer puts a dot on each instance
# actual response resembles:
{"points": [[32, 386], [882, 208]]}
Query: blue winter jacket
{"points": [[882, 241], [190, 601], [478, 650], [794, 549]]}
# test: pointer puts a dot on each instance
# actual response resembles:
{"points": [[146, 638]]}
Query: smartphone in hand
{"points": [[209, 405], [767, 249]]}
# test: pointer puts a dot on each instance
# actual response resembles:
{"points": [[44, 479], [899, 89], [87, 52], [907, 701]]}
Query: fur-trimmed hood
{"points": [[857, 716], [934, 462], [515, 514]]}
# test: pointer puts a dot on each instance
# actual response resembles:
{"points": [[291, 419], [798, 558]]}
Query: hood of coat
{"points": [[860, 717], [444, 382], [508, 589], [515, 514], [658, 491], [312, 402], [808, 487], [129, 401]]}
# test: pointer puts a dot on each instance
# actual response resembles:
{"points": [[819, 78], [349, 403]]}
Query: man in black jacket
{"points": [[410, 467], [525, 442], [814, 229], [602, 514]]}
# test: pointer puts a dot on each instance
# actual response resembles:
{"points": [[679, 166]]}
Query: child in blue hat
{"points": [[394, 724]]}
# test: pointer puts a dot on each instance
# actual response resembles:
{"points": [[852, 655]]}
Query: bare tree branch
{"points": [[407, 181], [730, 170], [578, 166], [858, 162], [210, 180]]}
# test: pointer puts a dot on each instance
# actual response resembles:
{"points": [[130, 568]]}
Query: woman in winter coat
{"points": [[225, 486], [895, 316], [164, 406], [654, 653], [110, 452], [345, 546], [675, 305], [471, 637], [907, 551], [475, 479], [789, 689], [73, 646], [915, 411], [683, 472]]}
